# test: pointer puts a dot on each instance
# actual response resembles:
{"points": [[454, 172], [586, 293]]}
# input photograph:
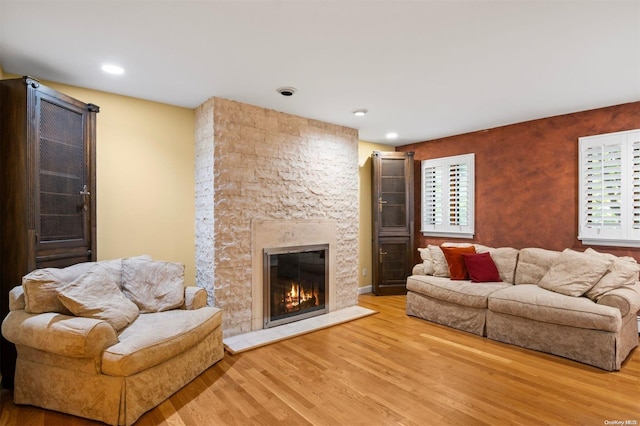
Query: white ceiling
{"points": [[424, 69]]}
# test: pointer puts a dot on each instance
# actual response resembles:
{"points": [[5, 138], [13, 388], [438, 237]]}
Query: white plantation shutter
{"points": [[432, 195], [448, 196], [603, 186], [610, 189], [636, 186]]}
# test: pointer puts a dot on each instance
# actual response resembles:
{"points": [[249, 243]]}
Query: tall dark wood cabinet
{"points": [[392, 218], [47, 187]]}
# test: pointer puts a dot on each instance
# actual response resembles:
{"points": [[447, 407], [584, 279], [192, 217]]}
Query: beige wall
{"points": [[364, 153], [145, 173]]}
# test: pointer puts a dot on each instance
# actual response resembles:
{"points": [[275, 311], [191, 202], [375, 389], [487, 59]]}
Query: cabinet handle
{"points": [[85, 195], [380, 203], [380, 254]]}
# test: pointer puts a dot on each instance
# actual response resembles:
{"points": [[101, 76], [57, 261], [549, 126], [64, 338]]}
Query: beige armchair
{"points": [[134, 336]]}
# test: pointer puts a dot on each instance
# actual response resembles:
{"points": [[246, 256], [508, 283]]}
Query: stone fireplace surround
{"points": [[265, 177]]}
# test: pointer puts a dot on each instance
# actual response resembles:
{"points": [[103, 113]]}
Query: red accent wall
{"points": [[527, 178]]}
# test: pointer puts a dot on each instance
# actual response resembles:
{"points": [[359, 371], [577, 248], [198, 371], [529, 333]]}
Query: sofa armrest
{"points": [[16, 299], [60, 334], [625, 298], [194, 298], [418, 269]]}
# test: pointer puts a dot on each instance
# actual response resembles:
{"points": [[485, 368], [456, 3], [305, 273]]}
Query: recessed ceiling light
{"points": [[360, 112], [391, 135], [113, 69], [286, 91]]}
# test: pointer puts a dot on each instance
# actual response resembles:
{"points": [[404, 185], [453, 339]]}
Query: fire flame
{"points": [[298, 295]]}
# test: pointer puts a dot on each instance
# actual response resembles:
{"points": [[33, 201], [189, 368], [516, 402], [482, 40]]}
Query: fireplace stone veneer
{"points": [[256, 168]]}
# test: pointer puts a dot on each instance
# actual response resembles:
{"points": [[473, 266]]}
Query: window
{"points": [[610, 189], [448, 196]]}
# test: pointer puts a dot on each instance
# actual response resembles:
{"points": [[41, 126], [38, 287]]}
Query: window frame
{"points": [[624, 209], [441, 191]]}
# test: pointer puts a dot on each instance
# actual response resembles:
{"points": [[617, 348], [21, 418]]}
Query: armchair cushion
{"points": [[156, 337], [96, 294], [154, 286]]}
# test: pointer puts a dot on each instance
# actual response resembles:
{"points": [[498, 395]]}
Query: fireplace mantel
{"points": [[283, 233]]}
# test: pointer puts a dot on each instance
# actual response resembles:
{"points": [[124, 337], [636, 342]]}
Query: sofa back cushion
{"points": [[573, 273], [154, 286], [533, 263]]}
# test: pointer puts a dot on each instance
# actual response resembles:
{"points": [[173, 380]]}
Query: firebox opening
{"points": [[295, 283]]}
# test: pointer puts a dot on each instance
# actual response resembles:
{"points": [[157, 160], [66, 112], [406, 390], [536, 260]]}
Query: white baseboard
{"points": [[369, 289]]}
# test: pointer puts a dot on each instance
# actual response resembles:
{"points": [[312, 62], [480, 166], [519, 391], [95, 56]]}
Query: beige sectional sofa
{"points": [[578, 305], [109, 340]]}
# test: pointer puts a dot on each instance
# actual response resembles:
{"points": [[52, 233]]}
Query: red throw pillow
{"points": [[482, 268], [455, 261]]}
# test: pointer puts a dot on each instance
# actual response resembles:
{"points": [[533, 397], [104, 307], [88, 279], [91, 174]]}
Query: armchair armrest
{"points": [[194, 298], [625, 298], [58, 333]]}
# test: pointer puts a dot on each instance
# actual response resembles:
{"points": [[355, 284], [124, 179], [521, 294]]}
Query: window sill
{"points": [[447, 234], [611, 243]]}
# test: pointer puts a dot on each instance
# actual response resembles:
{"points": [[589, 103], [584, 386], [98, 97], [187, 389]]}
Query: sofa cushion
{"points": [[573, 273], [156, 337], [427, 262], [455, 261], [41, 287], [154, 286], [505, 258], [622, 271], [463, 293], [533, 263], [481, 268], [96, 294], [535, 303]]}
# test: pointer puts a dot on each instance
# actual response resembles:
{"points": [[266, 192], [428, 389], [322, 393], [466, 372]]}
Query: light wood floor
{"points": [[388, 369]]}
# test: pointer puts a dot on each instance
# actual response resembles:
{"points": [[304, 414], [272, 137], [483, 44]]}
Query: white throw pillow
{"points": [[440, 266], [96, 294], [41, 287], [574, 273], [154, 286], [622, 271], [427, 262]]}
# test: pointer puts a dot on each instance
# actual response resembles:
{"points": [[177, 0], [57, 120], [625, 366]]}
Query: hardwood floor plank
{"points": [[387, 369]]}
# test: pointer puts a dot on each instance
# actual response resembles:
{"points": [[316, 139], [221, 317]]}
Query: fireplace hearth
{"points": [[295, 283]]}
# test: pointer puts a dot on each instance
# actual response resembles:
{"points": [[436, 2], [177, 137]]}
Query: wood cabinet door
{"points": [[64, 180], [392, 220], [393, 265]]}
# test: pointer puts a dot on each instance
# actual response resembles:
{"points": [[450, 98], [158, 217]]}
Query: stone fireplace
{"points": [[266, 179]]}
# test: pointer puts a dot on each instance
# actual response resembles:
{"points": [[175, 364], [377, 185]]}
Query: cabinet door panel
{"points": [[394, 256], [63, 186]]}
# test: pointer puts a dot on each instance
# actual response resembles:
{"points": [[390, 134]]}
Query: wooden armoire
{"points": [[392, 219], [47, 187]]}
